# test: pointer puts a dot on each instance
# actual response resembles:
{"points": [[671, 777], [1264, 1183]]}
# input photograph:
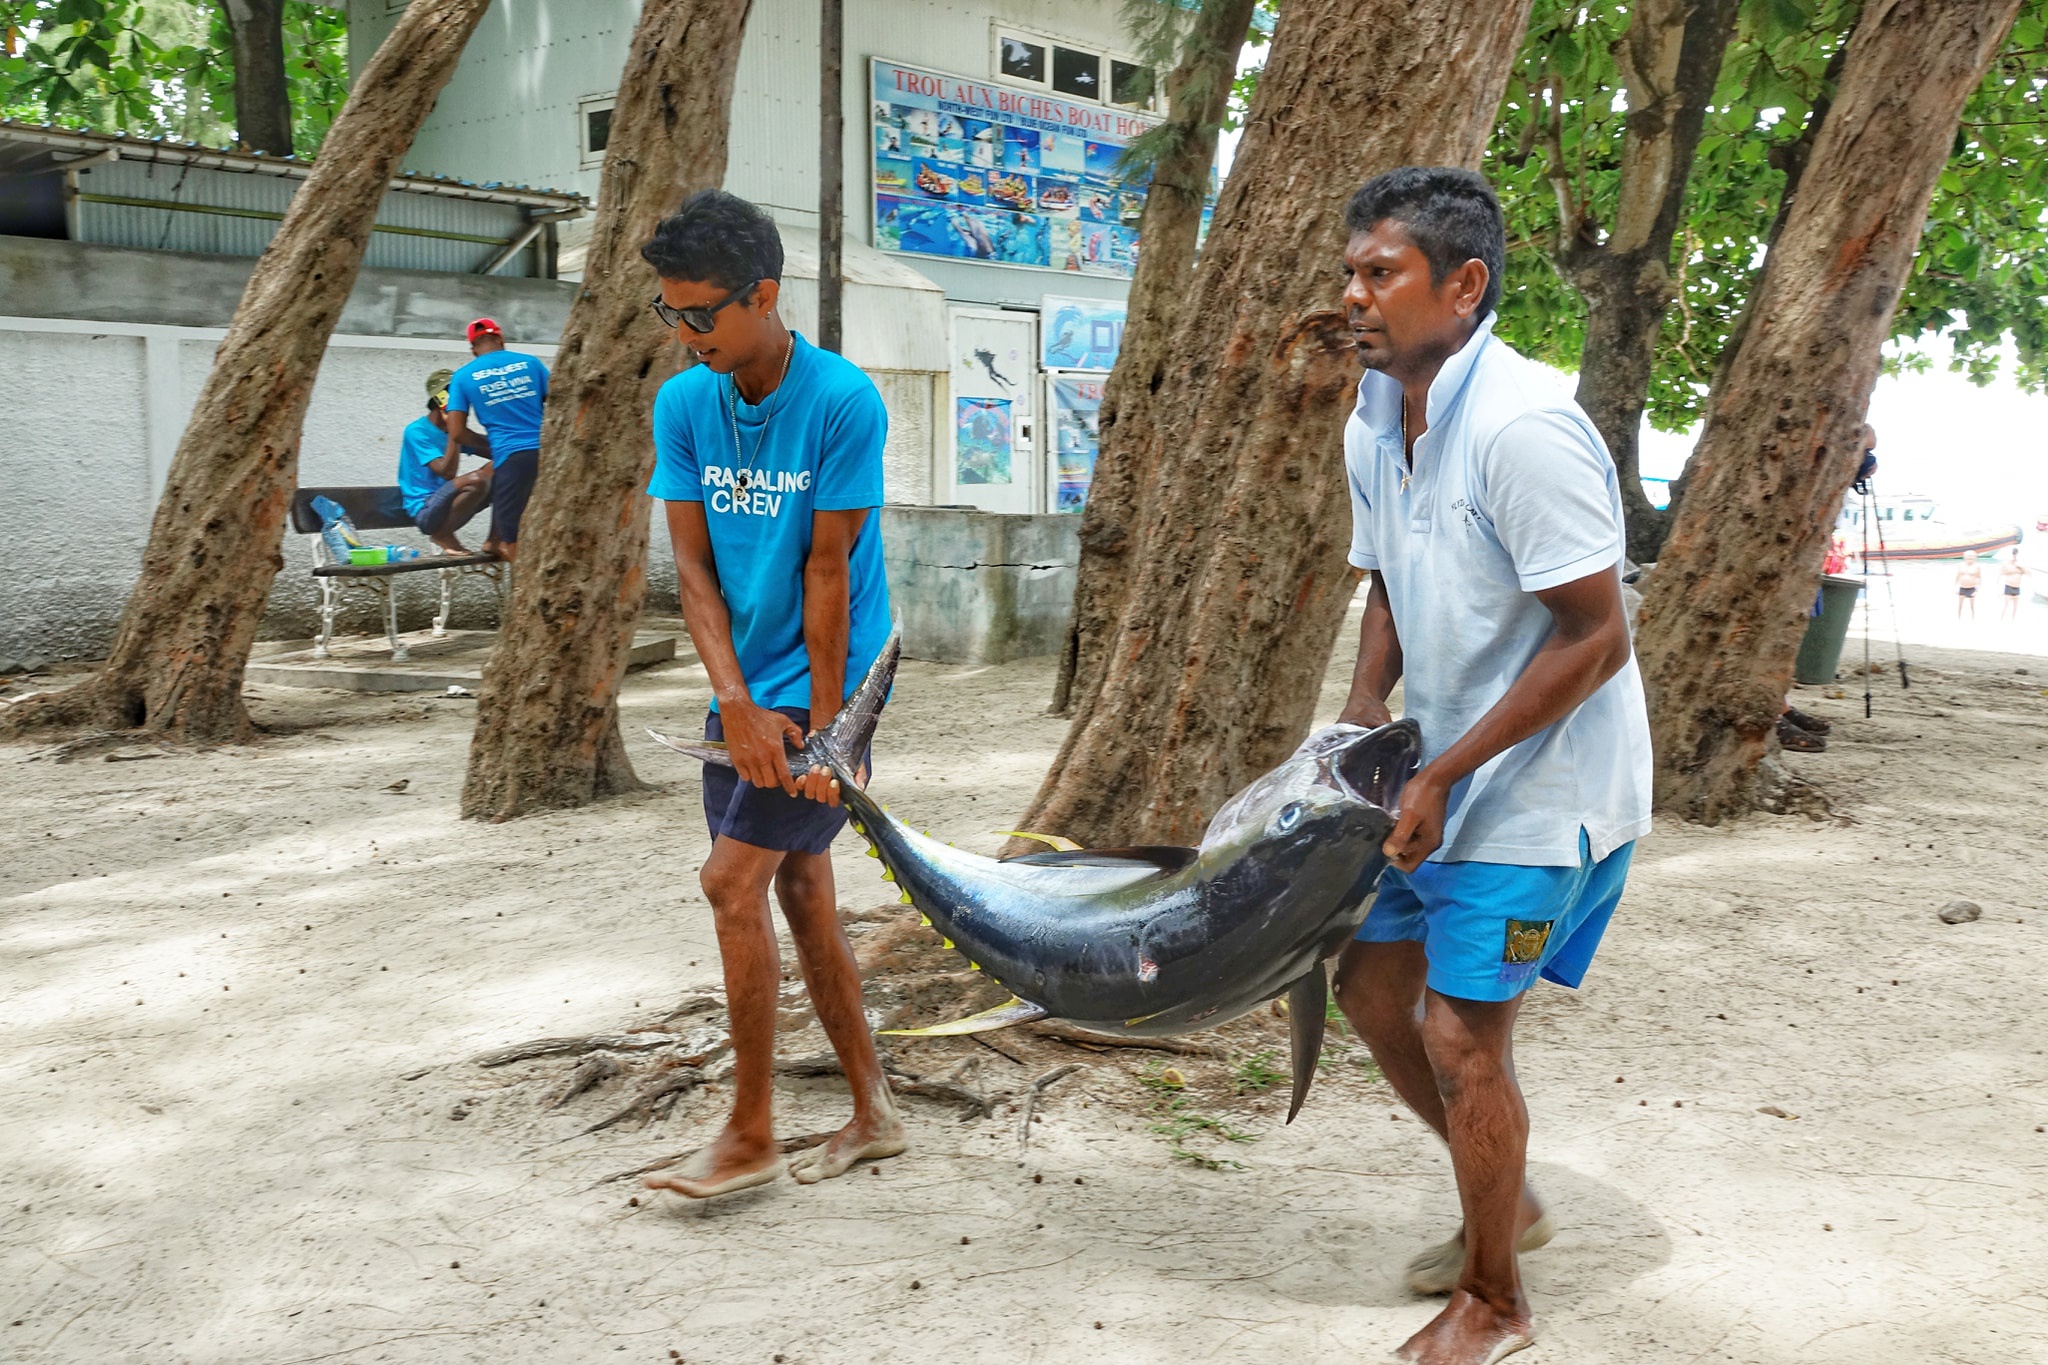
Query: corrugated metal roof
{"points": [[28, 147]]}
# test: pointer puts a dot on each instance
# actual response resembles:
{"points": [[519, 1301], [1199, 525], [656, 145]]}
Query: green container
{"points": [[381, 554], [1821, 650]]}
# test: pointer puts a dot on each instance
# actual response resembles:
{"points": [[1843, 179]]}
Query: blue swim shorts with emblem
{"points": [[1491, 929]]}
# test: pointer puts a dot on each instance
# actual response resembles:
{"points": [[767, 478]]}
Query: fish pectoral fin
{"points": [[1307, 1005], [705, 750], [1012, 1011], [1049, 840]]}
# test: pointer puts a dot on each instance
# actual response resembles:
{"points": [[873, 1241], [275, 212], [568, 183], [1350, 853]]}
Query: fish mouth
{"points": [[1377, 765]]}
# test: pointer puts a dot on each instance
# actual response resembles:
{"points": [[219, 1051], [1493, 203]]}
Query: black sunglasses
{"points": [[698, 320]]}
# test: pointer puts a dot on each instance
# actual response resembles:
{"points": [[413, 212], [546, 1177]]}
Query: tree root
{"points": [[901, 1082], [802, 1142], [601, 1067], [1067, 1033], [568, 1047], [654, 1102], [1031, 1094]]}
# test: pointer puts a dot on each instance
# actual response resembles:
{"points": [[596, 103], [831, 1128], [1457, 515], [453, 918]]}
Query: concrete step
{"points": [[363, 663]]}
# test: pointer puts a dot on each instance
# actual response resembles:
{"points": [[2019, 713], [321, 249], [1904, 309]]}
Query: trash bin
{"points": [[1821, 649]]}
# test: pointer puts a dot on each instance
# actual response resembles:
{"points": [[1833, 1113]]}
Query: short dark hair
{"points": [[717, 237], [1450, 214]]}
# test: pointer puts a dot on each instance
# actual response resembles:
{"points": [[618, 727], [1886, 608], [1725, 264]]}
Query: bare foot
{"points": [[1470, 1331], [491, 548], [879, 1136], [1437, 1270], [732, 1162], [449, 544]]}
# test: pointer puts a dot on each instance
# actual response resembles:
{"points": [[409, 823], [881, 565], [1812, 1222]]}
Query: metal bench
{"points": [[381, 509]]}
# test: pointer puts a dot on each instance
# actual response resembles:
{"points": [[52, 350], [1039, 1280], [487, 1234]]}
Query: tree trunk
{"points": [[1669, 61], [263, 104], [1211, 672], [1198, 96], [547, 730], [184, 639], [1726, 607]]}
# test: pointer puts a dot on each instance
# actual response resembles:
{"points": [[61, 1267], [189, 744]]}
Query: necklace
{"points": [[732, 414]]}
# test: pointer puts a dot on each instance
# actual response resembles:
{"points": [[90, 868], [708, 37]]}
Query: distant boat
{"points": [[1912, 527]]}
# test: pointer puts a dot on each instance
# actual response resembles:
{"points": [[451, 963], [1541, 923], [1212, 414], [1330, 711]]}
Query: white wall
{"points": [[95, 411]]}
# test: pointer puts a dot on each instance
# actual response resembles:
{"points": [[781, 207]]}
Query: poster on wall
{"points": [[1077, 427], [1081, 334], [977, 171], [981, 440]]}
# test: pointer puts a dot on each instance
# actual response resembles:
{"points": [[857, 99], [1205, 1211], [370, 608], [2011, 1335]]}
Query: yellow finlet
{"points": [[1051, 840], [872, 852], [925, 920], [887, 875], [947, 941], [906, 898]]}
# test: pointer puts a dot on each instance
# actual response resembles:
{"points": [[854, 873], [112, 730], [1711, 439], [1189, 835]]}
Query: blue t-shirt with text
{"points": [[502, 390], [423, 443], [819, 436]]}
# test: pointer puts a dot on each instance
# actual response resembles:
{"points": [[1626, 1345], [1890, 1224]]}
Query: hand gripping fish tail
{"points": [[1157, 940]]}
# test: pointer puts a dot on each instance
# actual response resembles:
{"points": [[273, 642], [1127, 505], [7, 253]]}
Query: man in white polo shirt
{"points": [[1486, 508]]}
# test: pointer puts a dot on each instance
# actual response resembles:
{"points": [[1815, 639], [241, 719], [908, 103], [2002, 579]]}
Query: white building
{"points": [[1025, 198]]}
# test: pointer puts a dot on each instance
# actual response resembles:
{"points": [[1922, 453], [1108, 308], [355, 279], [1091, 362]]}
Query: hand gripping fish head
{"points": [[1157, 940]]}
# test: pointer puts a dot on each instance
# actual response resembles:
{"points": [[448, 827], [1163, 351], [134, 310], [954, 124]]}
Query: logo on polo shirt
{"points": [[752, 492]]}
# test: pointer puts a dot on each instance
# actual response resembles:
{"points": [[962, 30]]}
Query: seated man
{"points": [[439, 501]]}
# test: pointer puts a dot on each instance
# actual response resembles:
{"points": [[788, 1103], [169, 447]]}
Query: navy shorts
{"points": [[511, 486], [767, 817], [433, 515]]}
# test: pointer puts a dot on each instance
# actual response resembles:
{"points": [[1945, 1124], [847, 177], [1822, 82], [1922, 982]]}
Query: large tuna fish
{"points": [[1150, 941]]}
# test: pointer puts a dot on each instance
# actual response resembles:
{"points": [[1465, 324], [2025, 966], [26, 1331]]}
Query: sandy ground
{"points": [[217, 968]]}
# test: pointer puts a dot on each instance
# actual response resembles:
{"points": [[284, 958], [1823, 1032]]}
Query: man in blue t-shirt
{"points": [[768, 457], [439, 500], [504, 391]]}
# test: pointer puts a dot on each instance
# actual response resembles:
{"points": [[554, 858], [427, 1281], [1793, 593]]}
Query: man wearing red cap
{"points": [[503, 391]]}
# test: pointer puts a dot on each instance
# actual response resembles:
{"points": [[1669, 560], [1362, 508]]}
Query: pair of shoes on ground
{"points": [[1801, 733]]}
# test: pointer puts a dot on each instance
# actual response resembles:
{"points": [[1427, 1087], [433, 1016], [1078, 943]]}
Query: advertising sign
{"points": [[1081, 334], [981, 440], [977, 171], [1077, 414]]}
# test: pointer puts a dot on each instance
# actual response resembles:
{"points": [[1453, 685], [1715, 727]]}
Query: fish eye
{"points": [[1289, 816]]}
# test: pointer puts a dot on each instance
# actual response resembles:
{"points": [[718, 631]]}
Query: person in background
{"points": [[439, 500], [504, 391], [1969, 578], [2014, 575]]}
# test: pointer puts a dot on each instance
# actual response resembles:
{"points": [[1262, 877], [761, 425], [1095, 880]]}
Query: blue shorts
{"points": [[1490, 929], [433, 514], [767, 817]]}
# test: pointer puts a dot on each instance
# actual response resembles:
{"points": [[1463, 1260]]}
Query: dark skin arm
{"points": [[757, 738], [828, 618], [460, 438], [1379, 662], [1588, 644]]}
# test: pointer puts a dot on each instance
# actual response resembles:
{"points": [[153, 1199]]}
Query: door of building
{"points": [[995, 383]]}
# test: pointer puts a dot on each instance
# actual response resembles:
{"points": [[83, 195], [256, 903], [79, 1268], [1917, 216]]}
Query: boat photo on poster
{"points": [[977, 171]]}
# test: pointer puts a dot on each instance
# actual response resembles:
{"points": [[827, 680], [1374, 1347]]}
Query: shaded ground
{"points": [[216, 967]]}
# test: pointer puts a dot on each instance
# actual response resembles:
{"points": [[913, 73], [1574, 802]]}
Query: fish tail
{"points": [[845, 741]]}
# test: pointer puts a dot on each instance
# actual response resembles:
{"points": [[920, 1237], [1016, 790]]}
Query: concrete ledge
{"points": [[364, 663], [50, 279], [980, 587]]}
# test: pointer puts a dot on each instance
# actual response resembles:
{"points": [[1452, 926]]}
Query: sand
{"points": [[1793, 1116]]}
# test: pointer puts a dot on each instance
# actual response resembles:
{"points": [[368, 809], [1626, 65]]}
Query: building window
{"points": [[1079, 73], [1020, 60], [594, 130], [1130, 84]]}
